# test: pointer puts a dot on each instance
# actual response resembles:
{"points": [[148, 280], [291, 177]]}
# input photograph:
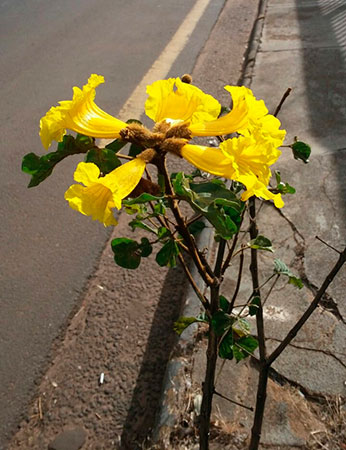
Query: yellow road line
{"points": [[134, 105]]}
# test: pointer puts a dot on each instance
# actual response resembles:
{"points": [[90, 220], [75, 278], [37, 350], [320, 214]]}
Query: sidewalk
{"points": [[303, 46]]}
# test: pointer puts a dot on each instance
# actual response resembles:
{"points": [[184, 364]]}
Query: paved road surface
{"points": [[47, 250]]}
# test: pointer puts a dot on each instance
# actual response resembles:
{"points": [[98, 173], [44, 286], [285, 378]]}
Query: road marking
{"points": [[134, 105]]}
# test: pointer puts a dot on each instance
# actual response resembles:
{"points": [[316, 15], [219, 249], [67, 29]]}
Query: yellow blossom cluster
{"points": [[172, 105]]}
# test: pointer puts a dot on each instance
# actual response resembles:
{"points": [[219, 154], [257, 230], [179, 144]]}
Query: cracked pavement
{"points": [[302, 47]]}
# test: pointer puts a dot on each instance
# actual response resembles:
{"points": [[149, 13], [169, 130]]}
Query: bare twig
{"points": [[328, 245], [294, 330], [240, 271], [250, 408], [286, 94]]}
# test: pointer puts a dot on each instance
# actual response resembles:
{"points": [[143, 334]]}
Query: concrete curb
{"points": [[179, 362]]}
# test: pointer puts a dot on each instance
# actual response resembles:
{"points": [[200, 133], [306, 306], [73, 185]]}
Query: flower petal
{"points": [[124, 179], [177, 101], [86, 173], [81, 115], [209, 159], [227, 124]]}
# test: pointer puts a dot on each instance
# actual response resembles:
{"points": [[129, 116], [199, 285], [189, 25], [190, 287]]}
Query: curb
{"points": [[168, 415]]}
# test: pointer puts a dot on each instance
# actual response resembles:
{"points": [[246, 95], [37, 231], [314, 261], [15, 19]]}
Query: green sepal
{"points": [[301, 150], [261, 243], [281, 269], [40, 167], [105, 159], [128, 253], [168, 254]]}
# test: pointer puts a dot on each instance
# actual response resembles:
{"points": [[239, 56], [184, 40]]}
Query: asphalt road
{"points": [[48, 251]]}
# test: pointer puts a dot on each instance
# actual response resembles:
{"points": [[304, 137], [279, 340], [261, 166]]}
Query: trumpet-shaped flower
{"points": [[260, 124], [175, 102], [242, 159], [80, 114], [100, 195]]}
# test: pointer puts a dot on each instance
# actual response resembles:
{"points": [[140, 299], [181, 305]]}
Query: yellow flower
{"points": [[100, 195], [176, 102], [80, 114], [260, 124], [241, 159]]}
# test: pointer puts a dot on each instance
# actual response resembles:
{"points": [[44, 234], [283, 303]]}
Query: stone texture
{"points": [[69, 439]]}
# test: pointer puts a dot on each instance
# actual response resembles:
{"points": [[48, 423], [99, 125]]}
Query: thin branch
{"points": [[234, 243], [121, 155], [240, 271], [250, 408], [202, 265], [271, 288], [328, 245], [294, 330], [255, 283], [189, 276], [286, 94], [317, 350]]}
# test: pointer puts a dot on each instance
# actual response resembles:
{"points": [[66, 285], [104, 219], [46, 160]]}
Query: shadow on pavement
{"points": [[147, 393], [322, 25]]}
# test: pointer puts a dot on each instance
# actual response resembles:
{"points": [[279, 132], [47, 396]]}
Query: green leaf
{"points": [[221, 322], [84, 142], [226, 346], [167, 255], [143, 198], [219, 205], [261, 243], [248, 343], [145, 247], [126, 253], [224, 303], [163, 233], [241, 327], [183, 322], [134, 121], [104, 158], [282, 188], [254, 305], [301, 150], [244, 347], [196, 227], [224, 110], [281, 269], [159, 208], [295, 281], [135, 150], [40, 167], [137, 223], [116, 145], [238, 353]]}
